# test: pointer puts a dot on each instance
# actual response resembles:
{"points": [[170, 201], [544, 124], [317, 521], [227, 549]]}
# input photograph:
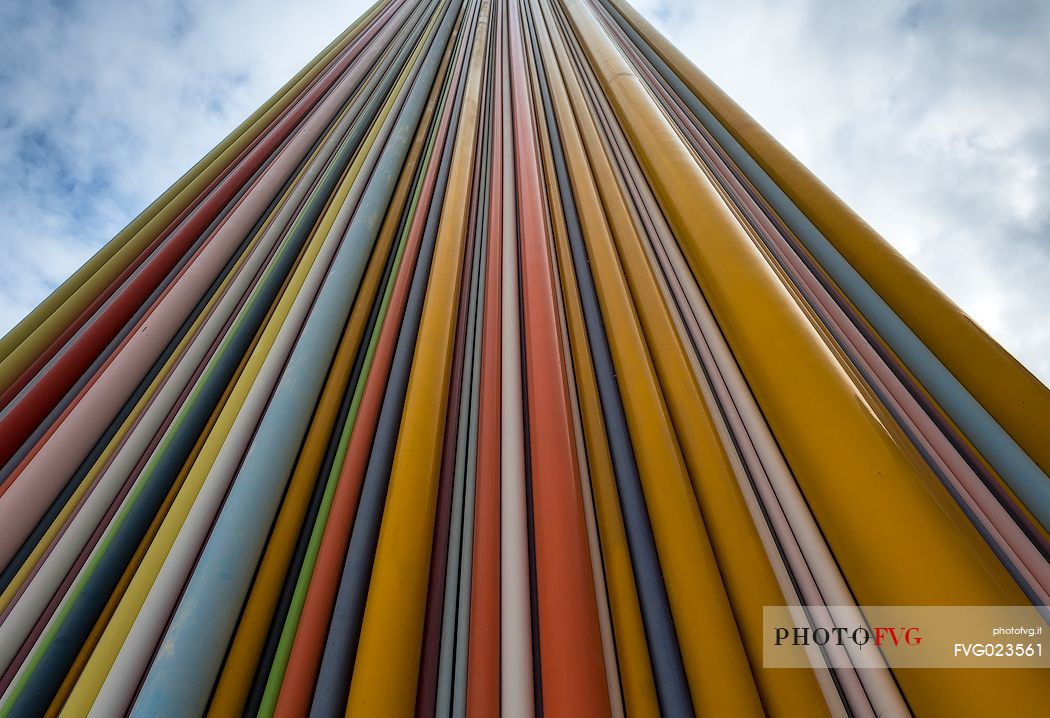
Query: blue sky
{"points": [[931, 119]]}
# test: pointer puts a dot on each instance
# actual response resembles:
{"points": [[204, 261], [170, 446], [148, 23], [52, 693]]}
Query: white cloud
{"points": [[931, 119]]}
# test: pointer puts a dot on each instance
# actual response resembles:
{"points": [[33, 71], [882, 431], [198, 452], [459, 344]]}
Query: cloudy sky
{"points": [[930, 118]]}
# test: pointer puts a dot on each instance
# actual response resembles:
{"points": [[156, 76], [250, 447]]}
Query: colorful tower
{"points": [[500, 363]]}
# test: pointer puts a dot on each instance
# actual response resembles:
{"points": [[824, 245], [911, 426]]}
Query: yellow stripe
{"points": [[387, 664]]}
